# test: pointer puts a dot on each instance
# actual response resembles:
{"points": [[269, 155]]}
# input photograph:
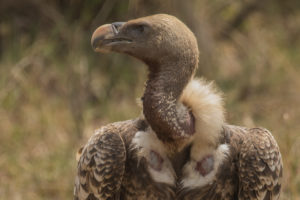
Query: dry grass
{"points": [[54, 91]]}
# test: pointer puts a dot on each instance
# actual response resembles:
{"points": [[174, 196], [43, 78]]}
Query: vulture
{"points": [[181, 147]]}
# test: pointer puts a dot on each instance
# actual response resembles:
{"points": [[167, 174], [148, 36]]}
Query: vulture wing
{"points": [[259, 166], [101, 167]]}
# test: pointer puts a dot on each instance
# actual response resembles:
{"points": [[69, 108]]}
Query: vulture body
{"points": [[181, 148]]}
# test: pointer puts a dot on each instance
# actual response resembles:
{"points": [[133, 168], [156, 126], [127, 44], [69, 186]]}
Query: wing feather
{"points": [[259, 166], [101, 167]]}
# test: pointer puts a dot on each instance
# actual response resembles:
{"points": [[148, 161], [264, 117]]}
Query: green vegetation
{"points": [[54, 90]]}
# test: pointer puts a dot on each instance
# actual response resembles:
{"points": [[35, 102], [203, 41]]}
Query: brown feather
{"points": [[108, 168], [252, 170]]}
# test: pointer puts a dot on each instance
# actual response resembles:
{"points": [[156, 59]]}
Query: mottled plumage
{"points": [[181, 147], [105, 171], [251, 169]]}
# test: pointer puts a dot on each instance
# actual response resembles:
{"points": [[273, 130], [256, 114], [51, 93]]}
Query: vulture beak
{"points": [[107, 36]]}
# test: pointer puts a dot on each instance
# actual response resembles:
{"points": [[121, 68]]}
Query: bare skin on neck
{"points": [[161, 105]]}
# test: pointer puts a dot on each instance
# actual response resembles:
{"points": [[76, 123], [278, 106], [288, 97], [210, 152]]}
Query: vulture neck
{"points": [[166, 115]]}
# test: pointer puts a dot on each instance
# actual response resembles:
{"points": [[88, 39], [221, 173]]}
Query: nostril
{"points": [[116, 26]]}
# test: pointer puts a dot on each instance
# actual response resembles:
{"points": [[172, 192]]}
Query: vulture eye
{"points": [[140, 28]]}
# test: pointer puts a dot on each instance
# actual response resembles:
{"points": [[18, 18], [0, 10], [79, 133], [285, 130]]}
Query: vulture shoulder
{"points": [[259, 162], [250, 170], [101, 164], [110, 167]]}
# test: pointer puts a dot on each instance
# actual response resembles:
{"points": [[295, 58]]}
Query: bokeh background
{"points": [[54, 90]]}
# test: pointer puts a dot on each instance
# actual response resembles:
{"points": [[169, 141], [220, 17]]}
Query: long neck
{"points": [[162, 109]]}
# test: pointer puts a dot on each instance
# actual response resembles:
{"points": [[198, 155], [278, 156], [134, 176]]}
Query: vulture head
{"points": [[153, 39]]}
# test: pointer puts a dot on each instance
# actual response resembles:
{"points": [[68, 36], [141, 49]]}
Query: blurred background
{"points": [[54, 90]]}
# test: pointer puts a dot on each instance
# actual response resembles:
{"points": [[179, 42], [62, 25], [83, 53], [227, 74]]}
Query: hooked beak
{"points": [[106, 36]]}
